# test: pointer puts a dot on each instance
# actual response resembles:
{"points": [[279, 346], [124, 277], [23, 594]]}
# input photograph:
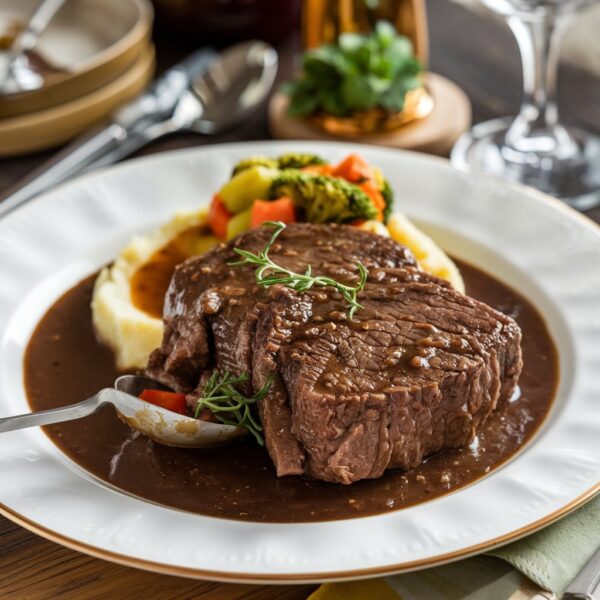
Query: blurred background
{"points": [[98, 54]]}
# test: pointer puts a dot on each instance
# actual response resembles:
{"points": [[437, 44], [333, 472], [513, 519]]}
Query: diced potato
{"points": [[248, 185], [379, 179], [239, 223], [373, 226]]}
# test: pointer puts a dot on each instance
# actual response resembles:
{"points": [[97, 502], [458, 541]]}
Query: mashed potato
{"points": [[429, 255], [130, 332], [133, 334]]}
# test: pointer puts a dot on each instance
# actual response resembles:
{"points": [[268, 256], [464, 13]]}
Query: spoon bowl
{"points": [[234, 86], [162, 425], [223, 95]]}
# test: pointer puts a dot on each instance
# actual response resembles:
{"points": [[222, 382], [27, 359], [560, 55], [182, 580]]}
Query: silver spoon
{"points": [[18, 76], [207, 94], [161, 425]]}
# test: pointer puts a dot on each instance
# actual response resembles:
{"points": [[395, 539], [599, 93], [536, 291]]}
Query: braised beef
{"points": [[416, 371]]}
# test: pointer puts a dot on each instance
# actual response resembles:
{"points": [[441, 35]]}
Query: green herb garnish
{"points": [[361, 72], [229, 405], [269, 273]]}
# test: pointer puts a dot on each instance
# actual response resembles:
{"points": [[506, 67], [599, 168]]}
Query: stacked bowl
{"points": [[94, 56]]}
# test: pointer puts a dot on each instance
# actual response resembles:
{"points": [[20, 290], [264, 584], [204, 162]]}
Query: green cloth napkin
{"points": [[551, 558]]}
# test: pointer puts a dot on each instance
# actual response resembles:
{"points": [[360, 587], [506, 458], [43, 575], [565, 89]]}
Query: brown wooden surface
{"points": [[478, 54]]}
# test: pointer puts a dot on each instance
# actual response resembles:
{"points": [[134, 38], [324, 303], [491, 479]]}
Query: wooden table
{"points": [[480, 55]]}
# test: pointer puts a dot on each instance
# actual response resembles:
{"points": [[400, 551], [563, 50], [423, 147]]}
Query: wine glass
{"points": [[535, 148]]}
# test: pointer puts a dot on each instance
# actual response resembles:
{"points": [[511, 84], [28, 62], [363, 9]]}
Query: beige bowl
{"points": [[59, 124], [88, 43]]}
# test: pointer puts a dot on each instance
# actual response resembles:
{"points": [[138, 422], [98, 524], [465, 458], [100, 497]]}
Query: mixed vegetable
{"points": [[299, 187]]}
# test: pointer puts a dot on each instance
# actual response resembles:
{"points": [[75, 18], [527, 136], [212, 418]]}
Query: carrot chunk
{"points": [[354, 169], [318, 169], [172, 401], [218, 217], [281, 209]]}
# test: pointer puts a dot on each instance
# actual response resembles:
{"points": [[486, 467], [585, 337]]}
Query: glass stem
{"points": [[538, 37]]}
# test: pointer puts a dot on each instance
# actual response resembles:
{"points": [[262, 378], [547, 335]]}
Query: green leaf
{"points": [[319, 68], [358, 93], [332, 103], [383, 66], [401, 47], [385, 33], [359, 73], [379, 85], [393, 99], [350, 42], [302, 106]]}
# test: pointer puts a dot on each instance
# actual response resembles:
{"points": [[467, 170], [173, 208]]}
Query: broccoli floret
{"points": [[254, 161], [323, 199], [298, 160], [388, 196], [285, 161]]}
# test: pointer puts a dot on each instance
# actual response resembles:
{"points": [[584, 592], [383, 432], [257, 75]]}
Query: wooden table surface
{"points": [[480, 55]]}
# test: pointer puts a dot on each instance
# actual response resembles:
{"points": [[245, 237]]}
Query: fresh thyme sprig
{"points": [[269, 273], [230, 406]]}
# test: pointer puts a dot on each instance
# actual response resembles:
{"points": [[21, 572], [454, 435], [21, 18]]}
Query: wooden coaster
{"points": [[434, 134]]}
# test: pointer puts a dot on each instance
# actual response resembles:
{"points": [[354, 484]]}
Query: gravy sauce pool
{"points": [[150, 282], [64, 363]]}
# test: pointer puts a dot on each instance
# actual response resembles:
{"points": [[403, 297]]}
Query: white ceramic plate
{"points": [[548, 252]]}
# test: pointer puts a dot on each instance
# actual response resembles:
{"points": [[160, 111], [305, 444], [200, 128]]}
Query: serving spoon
{"points": [[161, 425]]}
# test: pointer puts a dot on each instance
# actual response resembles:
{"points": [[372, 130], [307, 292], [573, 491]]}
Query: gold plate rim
{"points": [[294, 578]]}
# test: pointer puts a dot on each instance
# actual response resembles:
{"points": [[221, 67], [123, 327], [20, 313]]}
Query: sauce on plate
{"points": [[150, 282], [65, 363]]}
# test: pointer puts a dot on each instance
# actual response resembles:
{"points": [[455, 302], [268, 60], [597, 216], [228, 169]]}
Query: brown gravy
{"points": [[150, 282], [65, 363]]}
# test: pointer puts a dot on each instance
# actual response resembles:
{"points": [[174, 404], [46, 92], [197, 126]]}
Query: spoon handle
{"points": [[39, 21], [55, 415]]}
